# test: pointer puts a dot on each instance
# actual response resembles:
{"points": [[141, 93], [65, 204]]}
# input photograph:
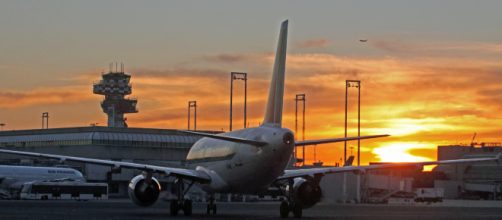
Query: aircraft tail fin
{"points": [[349, 161], [273, 111]]}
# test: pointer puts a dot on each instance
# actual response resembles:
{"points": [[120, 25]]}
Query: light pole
{"points": [[45, 120], [243, 77], [192, 104], [1, 126], [355, 84], [300, 98]]}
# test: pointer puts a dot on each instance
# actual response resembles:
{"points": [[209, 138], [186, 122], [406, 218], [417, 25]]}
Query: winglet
{"points": [[273, 111]]}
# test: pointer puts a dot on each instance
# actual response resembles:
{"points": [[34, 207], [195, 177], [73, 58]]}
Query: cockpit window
{"points": [[210, 152]]}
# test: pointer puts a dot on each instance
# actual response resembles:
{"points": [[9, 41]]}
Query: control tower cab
{"points": [[115, 86]]}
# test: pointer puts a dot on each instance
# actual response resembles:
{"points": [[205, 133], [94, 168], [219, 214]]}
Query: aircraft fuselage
{"points": [[243, 168]]}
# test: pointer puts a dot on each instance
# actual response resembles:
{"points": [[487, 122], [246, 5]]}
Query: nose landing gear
{"points": [[284, 209], [211, 207]]}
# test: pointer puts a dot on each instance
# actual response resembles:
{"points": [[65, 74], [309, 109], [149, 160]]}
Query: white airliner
{"points": [[12, 178], [246, 161]]}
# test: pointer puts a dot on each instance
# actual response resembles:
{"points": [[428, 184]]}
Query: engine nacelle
{"points": [[306, 192], [142, 193]]}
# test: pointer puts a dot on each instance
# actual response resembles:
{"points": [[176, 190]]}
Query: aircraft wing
{"points": [[226, 138], [170, 171], [288, 174], [333, 140]]}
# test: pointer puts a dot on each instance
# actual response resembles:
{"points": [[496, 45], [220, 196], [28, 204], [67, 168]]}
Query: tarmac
{"points": [[124, 209]]}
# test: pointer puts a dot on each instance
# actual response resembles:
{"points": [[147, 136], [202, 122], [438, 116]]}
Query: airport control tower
{"points": [[115, 86]]}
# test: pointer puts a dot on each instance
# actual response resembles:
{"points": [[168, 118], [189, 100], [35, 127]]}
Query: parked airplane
{"points": [[246, 161], [12, 178]]}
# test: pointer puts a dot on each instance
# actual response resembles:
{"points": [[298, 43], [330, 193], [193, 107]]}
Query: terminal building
{"points": [[142, 145], [470, 181], [457, 181]]}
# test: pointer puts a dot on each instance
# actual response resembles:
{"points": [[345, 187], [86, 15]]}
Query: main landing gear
{"points": [[186, 204], [176, 206], [290, 205], [181, 203], [287, 207]]}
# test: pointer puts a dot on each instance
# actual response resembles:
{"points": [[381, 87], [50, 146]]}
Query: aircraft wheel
{"points": [[211, 206], [284, 209], [214, 209], [173, 208], [187, 207], [211, 209], [297, 211]]}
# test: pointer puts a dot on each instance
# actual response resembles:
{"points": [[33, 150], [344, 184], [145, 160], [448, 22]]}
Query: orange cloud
{"points": [[43, 96], [314, 43]]}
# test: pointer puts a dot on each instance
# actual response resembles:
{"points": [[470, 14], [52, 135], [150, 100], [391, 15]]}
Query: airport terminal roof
{"points": [[97, 135]]}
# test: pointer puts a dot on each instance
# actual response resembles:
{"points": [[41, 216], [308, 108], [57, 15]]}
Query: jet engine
{"points": [[143, 193], [306, 192]]}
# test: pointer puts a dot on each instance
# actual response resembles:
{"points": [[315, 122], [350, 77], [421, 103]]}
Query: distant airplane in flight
{"points": [[364, 40], [247, 161]]}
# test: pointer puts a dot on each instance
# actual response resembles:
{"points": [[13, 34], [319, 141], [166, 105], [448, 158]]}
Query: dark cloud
{"points": [[227, 58], [178, 72], [444, 48], [391, 45]]}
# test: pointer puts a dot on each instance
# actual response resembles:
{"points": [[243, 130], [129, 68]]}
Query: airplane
{"points": [[246, 161], [12, 178]]}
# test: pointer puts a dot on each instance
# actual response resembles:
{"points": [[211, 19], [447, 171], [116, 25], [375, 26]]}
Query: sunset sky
{"points": [[431, 71]]}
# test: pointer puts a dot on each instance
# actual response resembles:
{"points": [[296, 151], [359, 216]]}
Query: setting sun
{"points": [[400, 152]]}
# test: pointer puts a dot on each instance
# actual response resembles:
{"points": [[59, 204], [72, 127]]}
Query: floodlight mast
{"points": [[45, 120], [192, 104], [243, 77], [300, 98], [354, 84]]}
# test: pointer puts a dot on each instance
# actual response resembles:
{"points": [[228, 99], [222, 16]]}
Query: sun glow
{"points": [[407, 126], [400, 152]]}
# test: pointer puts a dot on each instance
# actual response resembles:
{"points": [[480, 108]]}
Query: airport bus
{"points": [[64, 191]]}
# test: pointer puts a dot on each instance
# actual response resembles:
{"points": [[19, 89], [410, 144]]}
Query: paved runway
{"points": [[123, 209]]}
